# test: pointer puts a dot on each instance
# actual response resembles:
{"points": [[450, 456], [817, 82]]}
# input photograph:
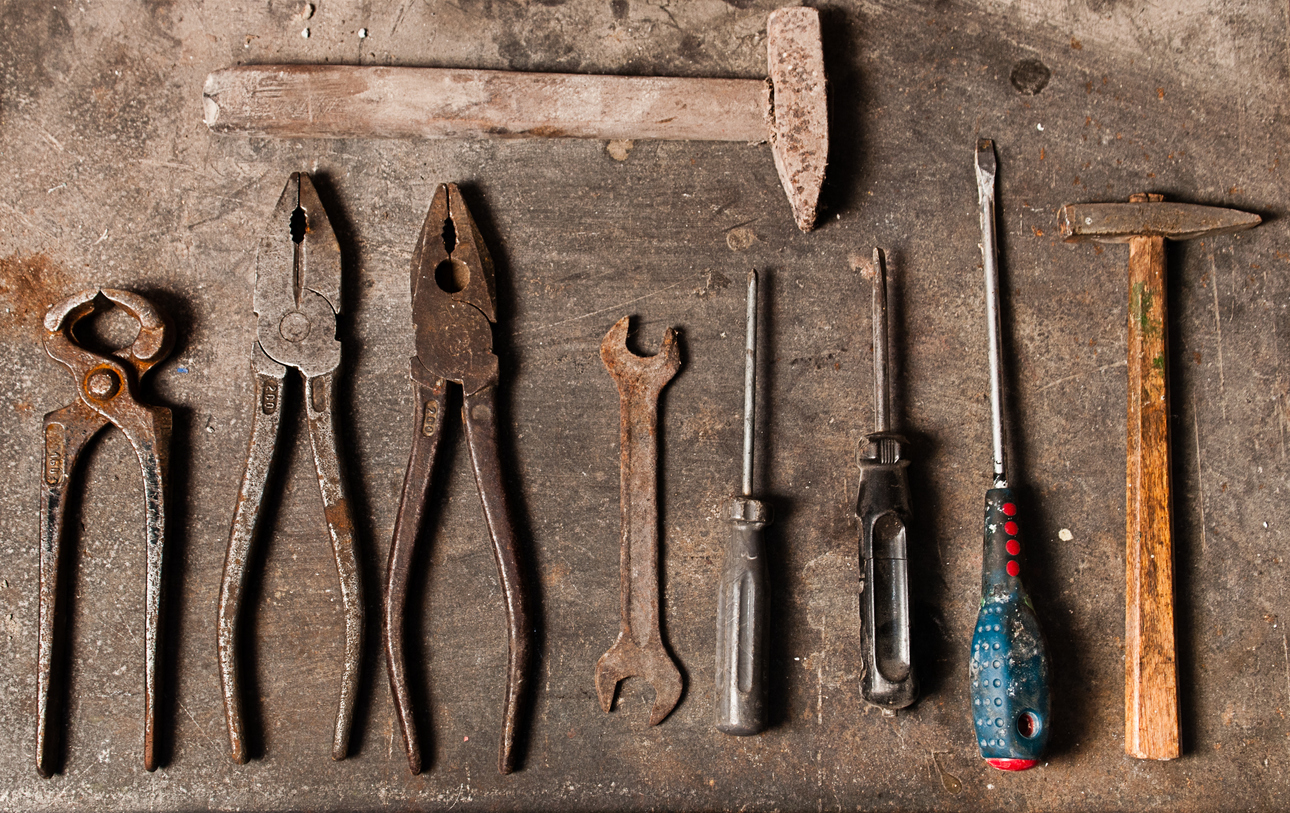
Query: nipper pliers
{"points": [[107, 387], [297, 298], [453, 311]]}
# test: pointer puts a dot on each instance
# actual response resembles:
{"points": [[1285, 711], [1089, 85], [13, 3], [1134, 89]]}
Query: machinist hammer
{"points": [[1151, 677], [788, 108]]}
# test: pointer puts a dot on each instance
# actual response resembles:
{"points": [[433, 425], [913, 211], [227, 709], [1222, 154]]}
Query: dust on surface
{"points": [[30, 285]]}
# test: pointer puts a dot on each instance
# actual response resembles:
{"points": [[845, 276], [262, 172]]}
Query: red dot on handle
{"points": [[1014, 548], [1010, 527], [1010, 509], [1013, 568]]}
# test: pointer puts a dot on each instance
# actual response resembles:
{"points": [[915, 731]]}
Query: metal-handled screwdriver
{"points": [[1009, 667], [742, 626], [882, 505]]}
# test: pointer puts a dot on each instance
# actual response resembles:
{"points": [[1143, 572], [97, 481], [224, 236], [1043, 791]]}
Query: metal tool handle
{"points": [[153, 450], [319, 395], [265, 422], [66, 432], [742, 657], [883, 506], [1009, 668], [1151, 677], [431, 402], [479, 409]]}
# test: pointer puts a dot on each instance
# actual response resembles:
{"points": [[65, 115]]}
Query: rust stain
{"points": [[31, 284], [337, 515]]}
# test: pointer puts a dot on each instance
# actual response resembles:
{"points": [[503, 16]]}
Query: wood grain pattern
{"points": [[1151, 681], [349, 101]]}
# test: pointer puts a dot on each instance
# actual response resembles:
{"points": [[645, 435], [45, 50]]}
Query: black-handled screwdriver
{"points": [[742, 626], [882, 505], [1009, 667]]}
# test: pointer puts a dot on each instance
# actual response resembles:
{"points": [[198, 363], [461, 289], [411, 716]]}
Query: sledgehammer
{"points": [[789, 108], [1151, 677]]}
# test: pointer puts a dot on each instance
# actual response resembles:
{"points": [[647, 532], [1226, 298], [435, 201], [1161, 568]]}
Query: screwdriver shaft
{"points": [[750, 383], [881, 367], [985, 174]]}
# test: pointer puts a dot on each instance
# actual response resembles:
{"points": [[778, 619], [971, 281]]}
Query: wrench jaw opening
{"points": [[652, 661]]}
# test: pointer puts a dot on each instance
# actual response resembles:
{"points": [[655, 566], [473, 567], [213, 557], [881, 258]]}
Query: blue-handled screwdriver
{"points": [[1009, 667]]}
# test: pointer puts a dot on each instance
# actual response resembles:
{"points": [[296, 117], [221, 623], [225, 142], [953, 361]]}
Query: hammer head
{"points": [[798, 112], [1149, 216]]}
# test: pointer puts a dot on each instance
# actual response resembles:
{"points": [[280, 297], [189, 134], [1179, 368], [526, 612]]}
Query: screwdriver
{"points": [[1009, 667], [742, 659], [882, 505]]}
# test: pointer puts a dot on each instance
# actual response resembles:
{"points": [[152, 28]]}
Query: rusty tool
{"points": [[108, 390], [1009, 669], [639, 650], [883, 508], [1151, 676], [297, 299], [789, 108], [742, 600], [453, 311]]}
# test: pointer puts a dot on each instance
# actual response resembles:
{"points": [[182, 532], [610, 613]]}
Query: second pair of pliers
{"points": [[453, 311], [297, 298]]}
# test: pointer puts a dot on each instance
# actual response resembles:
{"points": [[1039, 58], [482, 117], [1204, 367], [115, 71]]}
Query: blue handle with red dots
{"points": [[1009, 668]]}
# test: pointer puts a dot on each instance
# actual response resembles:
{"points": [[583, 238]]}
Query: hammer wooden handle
{"points": [[1151, 680]]}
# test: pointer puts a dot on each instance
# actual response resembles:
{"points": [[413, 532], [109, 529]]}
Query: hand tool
{"points": [[1151, 678], [890, 680], [453, 311], [345, 101], [297, 299], [1009, 667], [108, 390], [742, 599], [639, 650]]}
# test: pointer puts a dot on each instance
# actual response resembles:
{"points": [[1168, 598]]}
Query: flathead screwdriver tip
{"points": [[985, 164]]}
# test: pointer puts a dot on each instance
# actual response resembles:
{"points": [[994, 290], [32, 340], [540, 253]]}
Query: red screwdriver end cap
{"points": [[1012, 764]]}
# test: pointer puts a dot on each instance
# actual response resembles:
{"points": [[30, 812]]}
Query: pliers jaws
{"points": [[454, 296]]}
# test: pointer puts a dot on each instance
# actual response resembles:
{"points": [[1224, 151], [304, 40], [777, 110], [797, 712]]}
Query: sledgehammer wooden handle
{"points": [[1151, 677]]}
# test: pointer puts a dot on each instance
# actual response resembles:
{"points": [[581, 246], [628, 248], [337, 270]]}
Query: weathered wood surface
{"points": [[1150, 660], [349, 101], [111, 177]]}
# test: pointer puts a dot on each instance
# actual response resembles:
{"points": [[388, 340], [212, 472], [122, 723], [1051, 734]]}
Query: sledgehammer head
{"points": [[798, 113], [1149, 216]]}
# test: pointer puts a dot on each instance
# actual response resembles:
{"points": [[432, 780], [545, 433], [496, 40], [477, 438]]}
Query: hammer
{"points": [[1151, 677], [789, 108]]}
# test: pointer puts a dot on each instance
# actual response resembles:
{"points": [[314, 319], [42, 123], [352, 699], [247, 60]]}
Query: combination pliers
{"points": [[297, 298], [453, 311]]}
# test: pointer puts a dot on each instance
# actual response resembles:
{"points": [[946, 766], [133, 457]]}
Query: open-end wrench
{"points": [[639, 650]]}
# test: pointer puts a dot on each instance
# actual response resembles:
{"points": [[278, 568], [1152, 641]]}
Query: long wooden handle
{"points": [[351, 101], [1151, 679]]}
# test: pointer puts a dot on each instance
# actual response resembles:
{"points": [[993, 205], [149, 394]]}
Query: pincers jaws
{"points": [[639, 650]]}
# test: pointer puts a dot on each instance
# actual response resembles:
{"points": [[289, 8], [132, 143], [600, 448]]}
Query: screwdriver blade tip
{"points": [[986, 164]]}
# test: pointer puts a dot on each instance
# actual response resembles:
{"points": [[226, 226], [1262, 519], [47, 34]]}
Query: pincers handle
{"points": [[1009, 668]]}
